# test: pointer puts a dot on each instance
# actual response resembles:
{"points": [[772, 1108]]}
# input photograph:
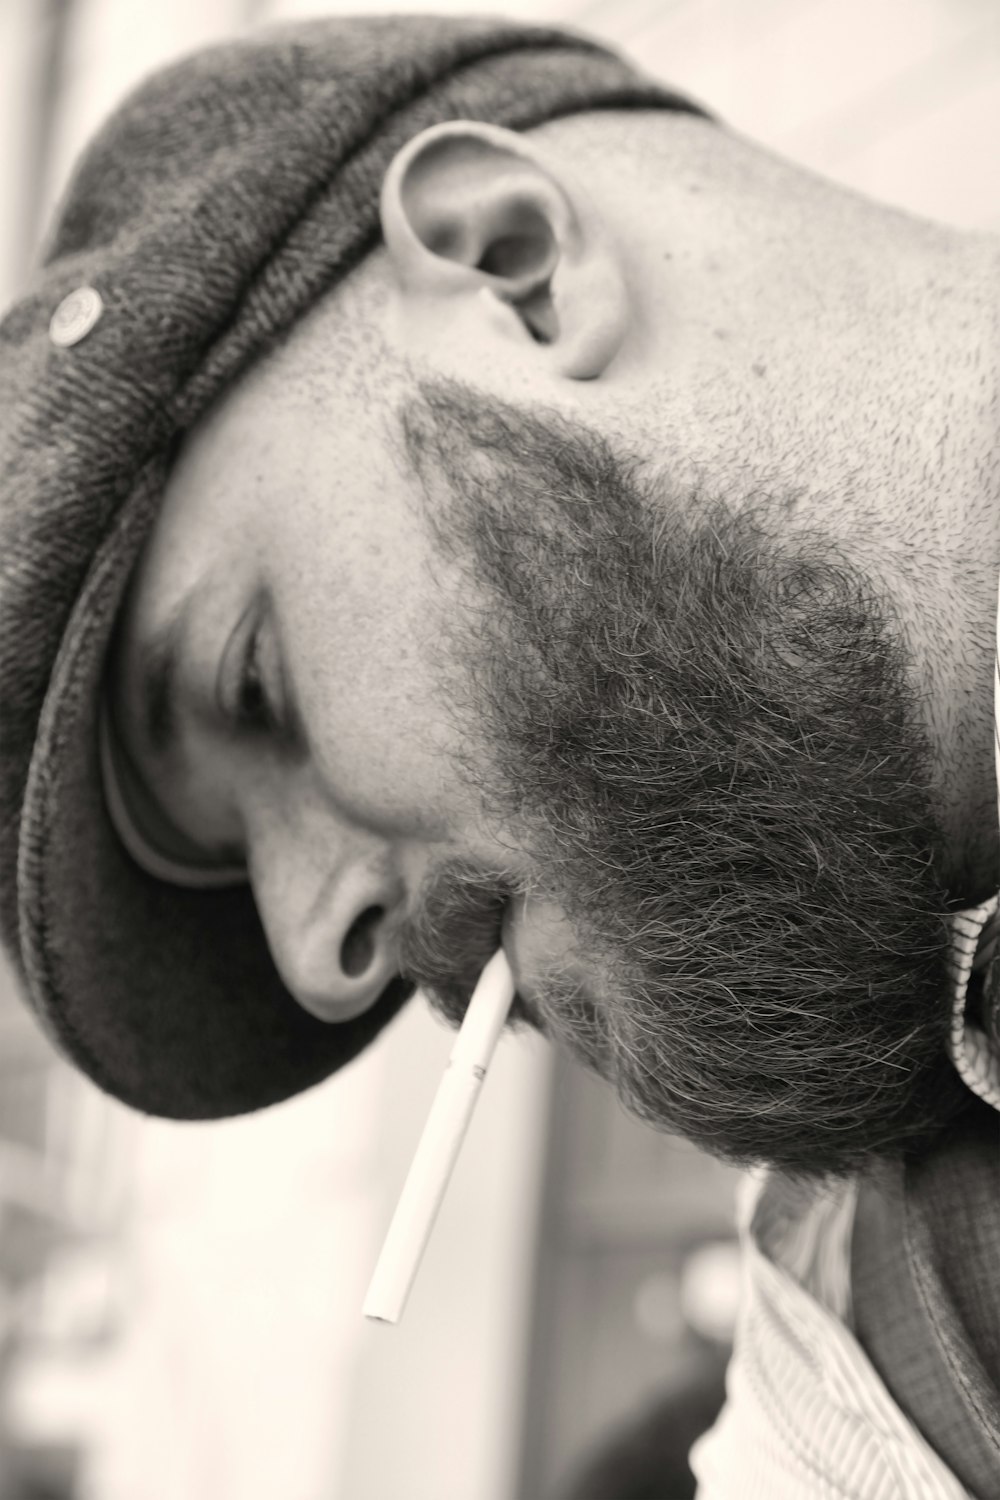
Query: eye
{"points": [[253, 707], [250, 692]]}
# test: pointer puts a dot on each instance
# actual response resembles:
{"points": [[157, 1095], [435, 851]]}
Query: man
{"points": [[464, 494]]}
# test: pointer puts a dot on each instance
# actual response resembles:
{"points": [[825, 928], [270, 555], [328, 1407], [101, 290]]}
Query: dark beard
{"points": [[704, 736]]}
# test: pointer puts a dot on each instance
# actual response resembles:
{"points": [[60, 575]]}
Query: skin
{"points": [[620, 564]]}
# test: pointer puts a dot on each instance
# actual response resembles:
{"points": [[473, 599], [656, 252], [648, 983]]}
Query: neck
{"points": [[939, 539]]}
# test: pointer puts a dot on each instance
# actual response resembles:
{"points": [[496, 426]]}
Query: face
{"points": [[471, 672]]}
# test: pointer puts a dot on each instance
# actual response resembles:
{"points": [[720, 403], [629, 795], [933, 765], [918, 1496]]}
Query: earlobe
{"points": [[480, 226]]}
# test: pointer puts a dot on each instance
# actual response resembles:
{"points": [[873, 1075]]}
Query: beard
{"points": [[703, 737]]}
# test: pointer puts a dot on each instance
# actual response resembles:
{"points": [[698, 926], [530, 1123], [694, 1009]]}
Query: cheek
{"points": [[377, 730], [360, 637]]}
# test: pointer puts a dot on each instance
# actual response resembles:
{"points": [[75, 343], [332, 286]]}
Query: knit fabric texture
{"points": [[220, 201]]}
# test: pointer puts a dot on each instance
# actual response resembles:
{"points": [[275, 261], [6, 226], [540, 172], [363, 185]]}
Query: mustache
{"points": [[454, 930]]}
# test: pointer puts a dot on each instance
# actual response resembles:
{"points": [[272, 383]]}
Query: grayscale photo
{"points": [[500, 750]]}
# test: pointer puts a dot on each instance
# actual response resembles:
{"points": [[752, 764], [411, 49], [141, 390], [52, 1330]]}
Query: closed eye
{"points": [[248, 688], [254, 710]]}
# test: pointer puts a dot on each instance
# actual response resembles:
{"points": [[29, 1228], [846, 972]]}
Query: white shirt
{"points": [[806, 1416]]}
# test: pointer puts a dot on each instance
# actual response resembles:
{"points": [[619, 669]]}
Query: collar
{"points": [[974, 1048]]}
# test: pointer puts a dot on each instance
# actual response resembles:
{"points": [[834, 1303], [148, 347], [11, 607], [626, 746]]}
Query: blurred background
{"points": [[180, 1305]]}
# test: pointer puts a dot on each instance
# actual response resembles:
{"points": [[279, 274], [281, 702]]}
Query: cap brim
{"points": [[166, 998]]}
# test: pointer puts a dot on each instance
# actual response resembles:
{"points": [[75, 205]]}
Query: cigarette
{"points": [[439, 1145]]}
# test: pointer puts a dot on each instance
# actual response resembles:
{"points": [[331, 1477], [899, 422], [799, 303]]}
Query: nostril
{"points": [[359, 942]]}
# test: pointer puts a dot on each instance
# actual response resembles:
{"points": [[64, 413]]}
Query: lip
{"points": [[533, 936], [510, 926]]}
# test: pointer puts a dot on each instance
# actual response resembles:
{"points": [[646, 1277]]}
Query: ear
{"points": [[479, 225]]}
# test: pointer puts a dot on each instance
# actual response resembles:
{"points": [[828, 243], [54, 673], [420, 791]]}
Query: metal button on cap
{"points": [[75, 316]]}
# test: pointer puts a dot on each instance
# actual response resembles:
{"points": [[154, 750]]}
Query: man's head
{"points": [[576, 573], [654, 714]]}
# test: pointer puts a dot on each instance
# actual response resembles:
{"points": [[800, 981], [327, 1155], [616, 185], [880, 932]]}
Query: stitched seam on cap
{"points": [[36, 929]]}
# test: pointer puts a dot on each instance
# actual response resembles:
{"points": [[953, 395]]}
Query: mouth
{"points": [[512, 941], [511, 913], [525, 1009]]}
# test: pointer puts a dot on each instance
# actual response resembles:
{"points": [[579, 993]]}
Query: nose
{"points": [[333, 934]]}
